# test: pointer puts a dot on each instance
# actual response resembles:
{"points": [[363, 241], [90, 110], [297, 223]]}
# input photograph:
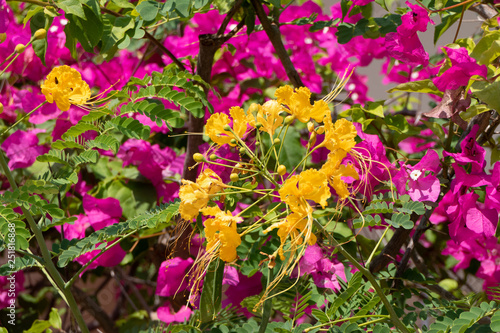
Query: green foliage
{"points": [[163, 214], [401, 209]]}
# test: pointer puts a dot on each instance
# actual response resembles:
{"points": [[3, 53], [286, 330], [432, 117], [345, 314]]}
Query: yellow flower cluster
{"points": [[267, 115], [64, 85], [220, 231], [297, 191]]}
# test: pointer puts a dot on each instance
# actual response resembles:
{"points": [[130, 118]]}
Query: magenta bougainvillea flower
{"points": [[404, 45], [463, 67], [22, 149], [421, 187], [471, 152], [101, 212], [324, 269], [173, 276], [155, 164], [166, 314], [239, 288]]}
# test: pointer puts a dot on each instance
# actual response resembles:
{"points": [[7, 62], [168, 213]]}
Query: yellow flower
{"points": [[339, 136], [334, 171], [64, 85], [195, 196], [216, 123], [215, 128], [298, 227], [210, 181], [299, 104], [221, 233], [269, 116], [310, 185]]}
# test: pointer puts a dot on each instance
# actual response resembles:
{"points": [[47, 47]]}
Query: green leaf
{"points": [[30, 14], [211, 296], [148, 9], [123, 4], [72, 7], [78, 129], [88, 156], [92, 26], [447, 21], [422, 86], [162, 214], [375, 108], [473, 111], [130, 127], [55, 319], [20, 263], [488, 48], [292, 151], [495, 322], [182, 7], [59, 144], [488, 93]]}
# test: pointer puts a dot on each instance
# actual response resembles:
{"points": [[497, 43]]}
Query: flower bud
{"points": [[253, 108], [197, 157], [258, 125], [281, 170], [227, 128], [1, 108], [242, 151], [3, 37], [213, 157], [277, 141], [40, 34], [320, 130], [234, 177], [289, 119], [310, 126], [233, 142], [20, 48], [312, 139]]}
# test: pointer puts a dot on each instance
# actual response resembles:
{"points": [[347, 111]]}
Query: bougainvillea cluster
{"points": [[345, 158]]}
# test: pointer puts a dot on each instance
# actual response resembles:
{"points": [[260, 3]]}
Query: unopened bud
{"points": [[310, 126], [197, 157], [20, 48], [320, 130], [281, 170], [213, 157], [234, 177], [289, 119], [40, 34], [242, 151], [3, 37], [312, 139], [258, 125], [253, 108], [1, 108], [277, 141], [227, 128], [233, 142]]}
